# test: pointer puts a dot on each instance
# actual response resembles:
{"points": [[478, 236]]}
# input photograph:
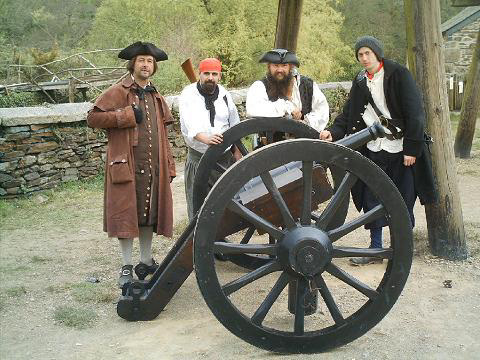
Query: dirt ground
{"points": [[45, 263]]}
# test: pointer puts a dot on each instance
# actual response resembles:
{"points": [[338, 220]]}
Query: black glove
{"points": [[138, 113]]}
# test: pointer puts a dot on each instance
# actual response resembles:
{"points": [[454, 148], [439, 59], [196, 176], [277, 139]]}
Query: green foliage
{"points": [[238, 33], [323, 55], [78, 318], [336, 98], [43, 57], [14, 99]]}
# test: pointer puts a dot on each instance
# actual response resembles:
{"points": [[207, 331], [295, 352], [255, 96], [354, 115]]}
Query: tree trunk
{"points": [[446, 231], [470, 107], [288, 24]]}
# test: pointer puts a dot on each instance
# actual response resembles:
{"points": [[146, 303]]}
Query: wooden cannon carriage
{"points": [[299, 260]]}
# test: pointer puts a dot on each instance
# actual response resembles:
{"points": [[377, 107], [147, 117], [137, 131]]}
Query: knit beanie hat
{"points": [[372, 43]]}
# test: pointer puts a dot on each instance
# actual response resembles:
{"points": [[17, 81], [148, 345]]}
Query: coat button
{"points": [[142, 171], [354, 128], [144, 214]]}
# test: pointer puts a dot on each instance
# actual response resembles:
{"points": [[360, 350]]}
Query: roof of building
{"points": [[462, 19]]}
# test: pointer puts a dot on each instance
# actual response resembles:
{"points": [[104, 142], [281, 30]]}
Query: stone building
{"points": [[460, 35]]}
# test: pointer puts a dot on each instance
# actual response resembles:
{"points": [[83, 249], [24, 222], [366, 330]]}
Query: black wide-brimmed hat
{"points": [[142, 48], [280, 56]]}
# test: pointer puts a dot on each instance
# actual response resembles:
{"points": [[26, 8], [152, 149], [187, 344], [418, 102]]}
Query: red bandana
{"points": [[210, 64]]}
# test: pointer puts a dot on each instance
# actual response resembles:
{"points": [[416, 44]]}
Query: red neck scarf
{"points": [[370, 76]]}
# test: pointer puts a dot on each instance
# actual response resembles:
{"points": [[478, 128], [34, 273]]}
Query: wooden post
{"points": [[470, 107], [446, 231], [288, 24], [71, 90]]}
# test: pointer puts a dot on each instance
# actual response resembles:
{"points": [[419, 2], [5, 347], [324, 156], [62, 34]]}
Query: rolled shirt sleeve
{"points": [[319, 116]]}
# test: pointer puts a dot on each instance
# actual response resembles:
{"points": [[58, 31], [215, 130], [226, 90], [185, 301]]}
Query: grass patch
{"points": [[69, 204], [93, 293], [39, 259], [58, 289], [77, 318], [16, 291], [7, 269]]}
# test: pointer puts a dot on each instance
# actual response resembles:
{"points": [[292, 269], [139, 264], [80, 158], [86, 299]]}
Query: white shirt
{"points": [[258, 104], [375, 85], [195, 118]]}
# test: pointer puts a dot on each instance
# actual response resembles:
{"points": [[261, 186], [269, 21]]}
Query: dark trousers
{"points": [[402, 177]]}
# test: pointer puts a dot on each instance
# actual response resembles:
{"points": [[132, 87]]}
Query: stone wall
{"points": [[459, 49], [41, 147]]}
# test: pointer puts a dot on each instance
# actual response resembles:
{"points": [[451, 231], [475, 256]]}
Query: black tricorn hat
{"points": [[280, 56], [142, 48]]}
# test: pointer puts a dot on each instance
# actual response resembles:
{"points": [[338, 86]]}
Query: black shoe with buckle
{"points": [[365, 261], [126, 275], [142, 269]]}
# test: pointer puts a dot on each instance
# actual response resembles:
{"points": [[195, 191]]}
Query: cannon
{"points": [[288, 232]]}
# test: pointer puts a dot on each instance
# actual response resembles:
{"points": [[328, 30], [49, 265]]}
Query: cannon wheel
{"points": [[305, 252], [234, 136]]}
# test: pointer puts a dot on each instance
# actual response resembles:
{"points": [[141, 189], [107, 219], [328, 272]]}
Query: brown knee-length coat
{"points": [[113, 112]]}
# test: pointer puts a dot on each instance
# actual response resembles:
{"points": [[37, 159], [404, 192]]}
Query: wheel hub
{"points": [[306, 250]]}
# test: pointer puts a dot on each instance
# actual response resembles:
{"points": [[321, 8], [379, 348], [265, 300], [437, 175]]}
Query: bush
{"points": [[19, 99], [336, 98]]}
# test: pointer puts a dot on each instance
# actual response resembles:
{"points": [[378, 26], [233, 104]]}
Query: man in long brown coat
{"points": [[139, 165]]}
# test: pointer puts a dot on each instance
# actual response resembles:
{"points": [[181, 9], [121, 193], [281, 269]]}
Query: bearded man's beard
{"points": [[208, 87], [278, 88]]}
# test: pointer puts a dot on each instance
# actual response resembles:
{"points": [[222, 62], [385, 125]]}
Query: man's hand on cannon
{"points": [[297, 114], [209, 139], [326, 135]]}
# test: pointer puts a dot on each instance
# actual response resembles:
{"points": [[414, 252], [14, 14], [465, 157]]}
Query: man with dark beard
{"points": [[283, 92], [206, 111]]}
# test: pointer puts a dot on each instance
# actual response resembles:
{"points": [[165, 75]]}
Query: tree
{"points": [[470, 107], [322, 52], [446, 232]]}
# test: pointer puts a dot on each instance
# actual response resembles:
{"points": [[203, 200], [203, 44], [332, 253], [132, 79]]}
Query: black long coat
{"points": [[405, 105]]}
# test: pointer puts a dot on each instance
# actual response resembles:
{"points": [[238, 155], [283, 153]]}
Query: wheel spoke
{"points": [[299, 326], [331, 209], [248, 235], [329, 300], [353, 282], [277, 197], [376, 213], [233, 248], [220, 168], [307, 168], [340, 252], [246, 279], [266, 305], [241, 147], [256, 220]]}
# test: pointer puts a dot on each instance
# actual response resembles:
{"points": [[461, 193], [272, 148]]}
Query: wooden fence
{"points": [[456, 89]]}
